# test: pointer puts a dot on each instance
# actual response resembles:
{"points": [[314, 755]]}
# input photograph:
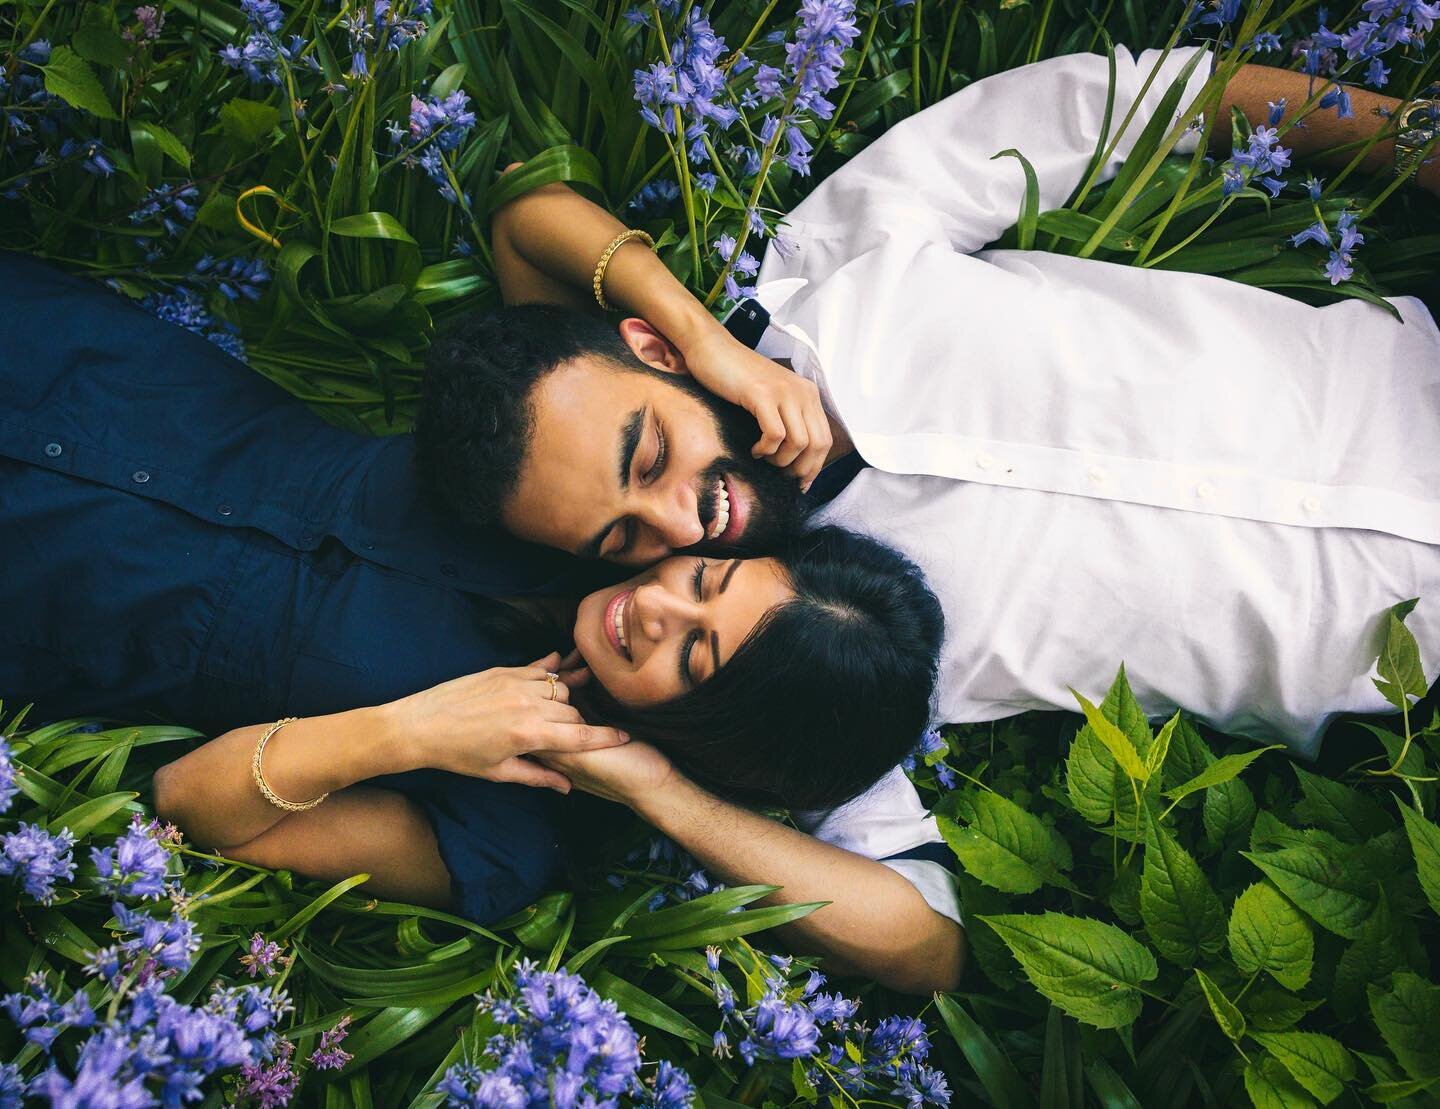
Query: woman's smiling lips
{"points": [[614, 622]]}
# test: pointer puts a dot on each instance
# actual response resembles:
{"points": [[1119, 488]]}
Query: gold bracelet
{"points": [[265, 790], [615, 244]]}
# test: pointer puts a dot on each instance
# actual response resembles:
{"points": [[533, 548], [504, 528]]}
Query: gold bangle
{"points": [[265, 790], [615, 244]]}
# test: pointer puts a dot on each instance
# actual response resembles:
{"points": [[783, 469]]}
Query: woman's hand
{"points": [[625, 774], [482, 725], [795, 433]]}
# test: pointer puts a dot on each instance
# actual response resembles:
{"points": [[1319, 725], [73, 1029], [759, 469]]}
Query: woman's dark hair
{"points": [[475, 420], [827, 693]]}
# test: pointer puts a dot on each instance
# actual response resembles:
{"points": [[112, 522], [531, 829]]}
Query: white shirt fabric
{"points": [[886, 820], [1218, 485]]}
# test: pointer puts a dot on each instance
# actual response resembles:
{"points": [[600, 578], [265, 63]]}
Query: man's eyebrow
{"points": [[730, 573], [629, 444]]}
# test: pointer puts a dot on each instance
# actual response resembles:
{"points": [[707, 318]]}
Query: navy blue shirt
{"points": [[182, 539]]}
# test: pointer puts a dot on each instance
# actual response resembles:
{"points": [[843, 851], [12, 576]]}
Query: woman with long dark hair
{"points": [[798, 679]]}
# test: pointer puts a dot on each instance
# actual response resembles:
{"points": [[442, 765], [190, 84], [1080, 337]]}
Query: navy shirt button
{"points": [[53, 449], [447, 568], [224, 510], [139, 477], [307, 539]]}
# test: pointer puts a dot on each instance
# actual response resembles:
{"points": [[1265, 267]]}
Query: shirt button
{"points": [[1204, 489], [1310, 504], [53, 449], [139, 477], [224, 510], [1097, 474], [985, 461], [307, 539]]}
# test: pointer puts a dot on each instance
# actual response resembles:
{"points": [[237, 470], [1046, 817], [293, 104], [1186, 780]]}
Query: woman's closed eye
{"points": [[692, 640]]}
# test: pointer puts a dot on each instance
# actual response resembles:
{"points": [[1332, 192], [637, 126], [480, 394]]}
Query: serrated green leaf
{"points": [[1003, 845], [1339, 808], [1336, 894], [1401, 676], [1120, 746], [1318, 1062], [1408, 1015], [1227, 1016], [246, 122], [1092, 970], [69, 76], [1386, 1092], [1270, 1086], [1268, 933], [1221, 770], [1182, 915], [1373, 957], [166, 141], [1275, 1010], [1227, 811], [100, 44], [1424, 838]]}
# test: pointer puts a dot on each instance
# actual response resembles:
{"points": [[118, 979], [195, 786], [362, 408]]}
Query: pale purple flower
{"points": [[330, 1055], [39, 859], [134, 866]]}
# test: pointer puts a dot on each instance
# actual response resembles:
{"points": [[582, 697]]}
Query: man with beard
{"points": [[181, 533]]}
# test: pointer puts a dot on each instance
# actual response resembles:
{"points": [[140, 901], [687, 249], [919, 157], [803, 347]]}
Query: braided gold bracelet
{"points": [[265, 790], [615, 244]]}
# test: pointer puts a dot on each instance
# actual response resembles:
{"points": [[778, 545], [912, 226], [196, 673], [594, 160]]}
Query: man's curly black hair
{"points": [[476, 418]]}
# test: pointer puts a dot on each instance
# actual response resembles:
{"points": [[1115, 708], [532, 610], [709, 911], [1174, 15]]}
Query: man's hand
{"points": [[620, 774], [795, 433]]}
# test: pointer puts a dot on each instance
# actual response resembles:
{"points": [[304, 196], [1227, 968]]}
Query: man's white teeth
{"points": [[619, 621], [722, 512]]}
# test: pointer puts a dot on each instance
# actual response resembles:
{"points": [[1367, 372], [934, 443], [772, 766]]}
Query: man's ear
{"points": [[651, 347]]}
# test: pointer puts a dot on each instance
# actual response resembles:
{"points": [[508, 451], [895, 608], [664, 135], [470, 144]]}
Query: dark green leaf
{"points": [[1319, 1063], [69, 76], [1424, 838], [1002, 1082], [1268, 933], [1177, 903], [1336, 894], [1004, 846], [1408, 1015], [1227, 1016]]}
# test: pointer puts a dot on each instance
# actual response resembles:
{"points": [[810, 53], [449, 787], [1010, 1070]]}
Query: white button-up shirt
{"points": [[1218, 485]]}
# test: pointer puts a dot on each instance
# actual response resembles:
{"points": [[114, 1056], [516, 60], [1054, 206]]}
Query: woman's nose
{"points": [[659, 612]]}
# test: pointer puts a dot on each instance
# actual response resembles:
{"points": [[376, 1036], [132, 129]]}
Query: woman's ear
{"points": [[651, 347]]}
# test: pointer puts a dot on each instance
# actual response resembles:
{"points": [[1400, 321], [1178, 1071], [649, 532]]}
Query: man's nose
{"points": [[676, 519]]}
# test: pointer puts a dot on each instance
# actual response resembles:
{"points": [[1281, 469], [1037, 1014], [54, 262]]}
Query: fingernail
{"points": [[624, 737]]}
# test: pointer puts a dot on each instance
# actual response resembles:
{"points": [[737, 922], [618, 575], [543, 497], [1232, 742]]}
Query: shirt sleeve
{"points": [[888, 823], [933, 173]]}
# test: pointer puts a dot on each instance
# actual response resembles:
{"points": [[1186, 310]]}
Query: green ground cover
{"points": [[1157, 916]]}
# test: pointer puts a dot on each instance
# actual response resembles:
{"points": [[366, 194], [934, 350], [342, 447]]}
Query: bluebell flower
{"points": [[133, 867], [899, 1035], [1313, 185], [264, 15], [923, 1086], [446, 121], [12, 1086], [1277, 110], [756, 222], [1220, 12], [8, 788], [1339, 99], [1376, 74], [236, 278], [1264, 42], [330, 1055], [670, 1088], [655, 198], [784, 1030], [164, 944], [38, 858], [945, 776], [172, 205], [706, 182], [91, 153]]}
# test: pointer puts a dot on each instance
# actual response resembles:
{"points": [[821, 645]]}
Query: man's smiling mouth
{"points": [[728, 512], [721, 520]]}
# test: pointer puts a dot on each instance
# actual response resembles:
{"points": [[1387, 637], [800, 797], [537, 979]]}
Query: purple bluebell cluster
{"points": [[927, 754], [35, 120], [263, 57], [236, 278], [149, 22], [655, 198], [330, 1055], [559, 1044], [135, 865], [438, 125], [157, 947], [1341, 264], [39, 859], [843, 1059], [8, 788], [185, 308], [261, 957], [662, 857], [270, 1084], [152, 1050], [1262, 160], [172, 205], [743, 263]]}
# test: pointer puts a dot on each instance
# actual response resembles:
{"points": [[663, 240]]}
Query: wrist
{"points": [[664, 805], [386, 744]]}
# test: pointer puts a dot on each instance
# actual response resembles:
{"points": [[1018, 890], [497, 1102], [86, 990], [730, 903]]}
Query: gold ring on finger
{"points": [[554, 680]]}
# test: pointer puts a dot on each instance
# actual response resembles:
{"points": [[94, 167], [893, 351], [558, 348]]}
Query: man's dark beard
{"points": [[775, 512]]}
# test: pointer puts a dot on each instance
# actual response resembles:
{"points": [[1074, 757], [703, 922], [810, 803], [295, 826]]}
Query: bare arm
{"points": [[876, 923], [1253, 88]]}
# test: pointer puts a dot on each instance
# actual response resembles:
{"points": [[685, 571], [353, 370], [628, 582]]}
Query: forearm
{"points": [[877, 924], [561, 234], [1332, 141], [211, 794]]}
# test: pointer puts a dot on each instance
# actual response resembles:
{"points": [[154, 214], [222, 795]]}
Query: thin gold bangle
{"points": [[265, 790], [615, 244]]}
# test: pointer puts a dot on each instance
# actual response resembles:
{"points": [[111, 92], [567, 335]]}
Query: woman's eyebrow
{"points": [[730, 573]]}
